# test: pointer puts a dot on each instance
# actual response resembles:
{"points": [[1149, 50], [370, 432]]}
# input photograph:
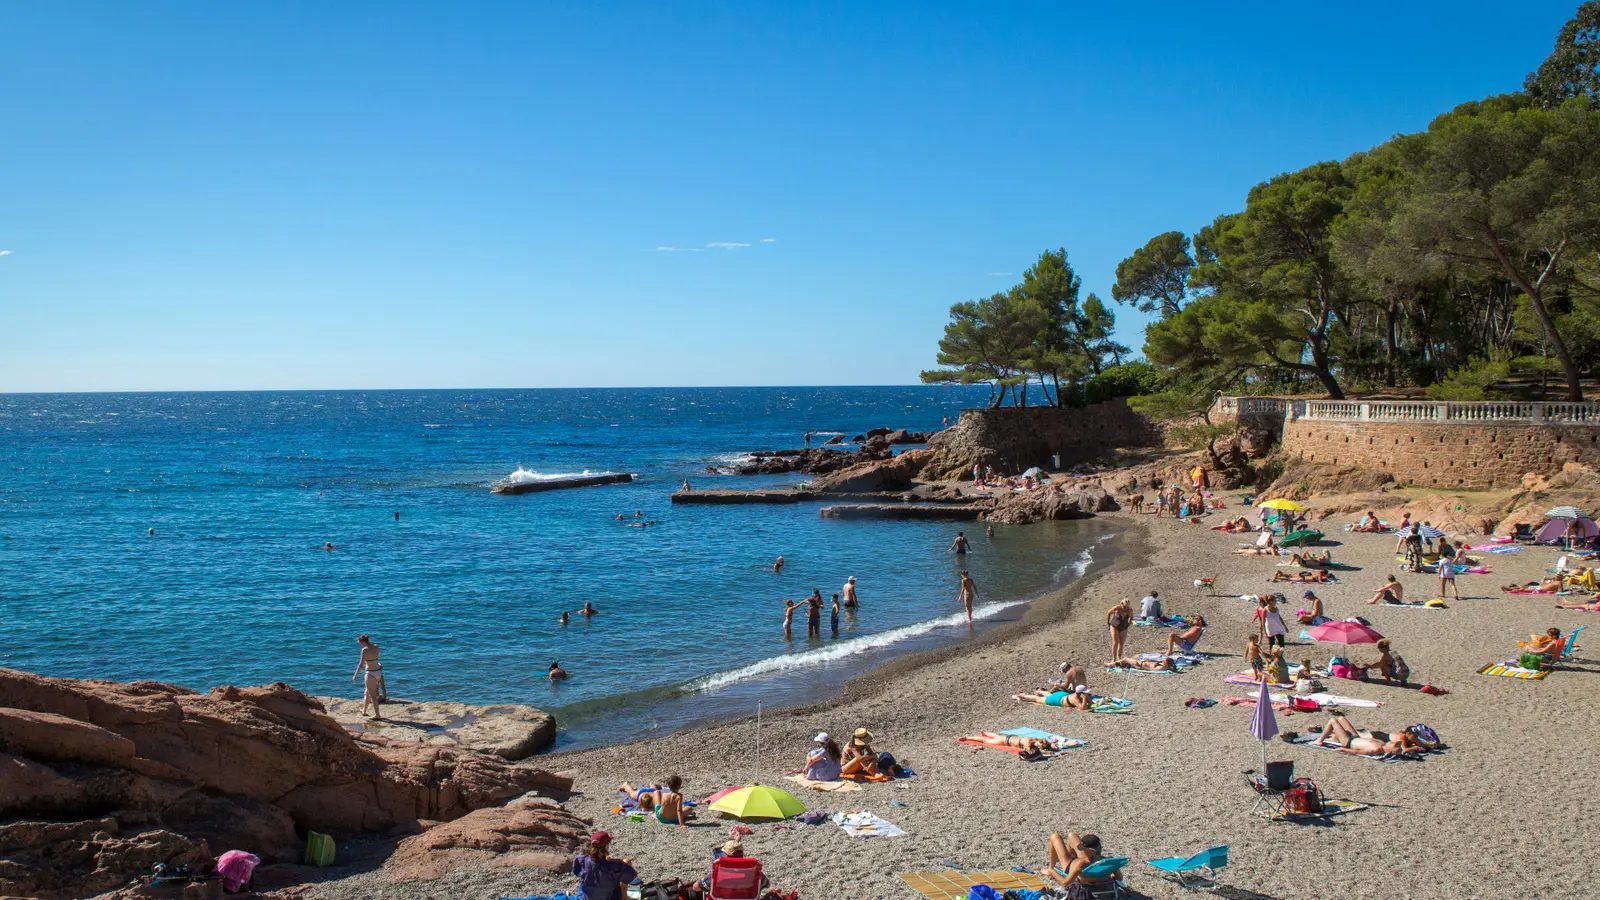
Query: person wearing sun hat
{"points": [[599, 876], [824, 761], [859, 758]]}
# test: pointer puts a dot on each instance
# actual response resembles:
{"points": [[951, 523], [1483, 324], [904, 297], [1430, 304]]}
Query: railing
{"points": [[1260, 407], [1443, 412]]}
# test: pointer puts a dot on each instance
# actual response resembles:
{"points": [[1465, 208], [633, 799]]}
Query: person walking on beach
{"points": [[969, 593], [375, 691], [814, 614], [1447, 574], [834, 618], [788, 618], [1269, 623], [1118, 618], [849, 591], [960, 543]]}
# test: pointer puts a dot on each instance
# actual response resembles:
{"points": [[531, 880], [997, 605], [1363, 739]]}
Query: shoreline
{"points": [[1163, 781]]}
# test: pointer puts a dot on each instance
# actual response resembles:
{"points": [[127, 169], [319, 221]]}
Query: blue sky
{"points": [[301, 195]]}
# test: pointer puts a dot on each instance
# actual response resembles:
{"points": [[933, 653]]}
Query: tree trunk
{"points": [[1546, 324], [1391, 342], [1024, 403]]}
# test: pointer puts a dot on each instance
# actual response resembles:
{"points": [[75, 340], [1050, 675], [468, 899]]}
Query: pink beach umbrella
{"points": [[1345, 633]]}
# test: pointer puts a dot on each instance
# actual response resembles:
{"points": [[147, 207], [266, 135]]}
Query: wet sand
{"points": [[1505, 812]]}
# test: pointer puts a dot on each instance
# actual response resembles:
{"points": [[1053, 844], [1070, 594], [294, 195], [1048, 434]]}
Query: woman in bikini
{"points": [[1346, 738], [1025, 744], [1078, 698], [1118, 618], [1069, 857], [374, 691], [1164, 664], [859, 757]]}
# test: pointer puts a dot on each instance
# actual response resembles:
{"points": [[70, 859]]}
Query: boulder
{"points": [[903, 511], [1069, 500], [892, 474], [68, 860], [528, 832], [902, 436], [836, 439], [506, 730]]}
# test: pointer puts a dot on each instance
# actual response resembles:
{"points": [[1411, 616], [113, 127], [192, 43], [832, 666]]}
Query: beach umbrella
{"points": [[1430, 533], [1264, 725], [1281, 503], [1566, 512], [720, 794], [1034, 472], [1406, 531], [1345, 633], [759, 801]]}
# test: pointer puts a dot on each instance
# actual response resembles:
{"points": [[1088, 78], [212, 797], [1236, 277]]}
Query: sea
{"points": [[180, 537]]}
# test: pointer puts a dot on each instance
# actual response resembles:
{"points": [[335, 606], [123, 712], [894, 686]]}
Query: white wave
{"points": [[528, 476], [1084, 559], [731, 460], [853, 646]]}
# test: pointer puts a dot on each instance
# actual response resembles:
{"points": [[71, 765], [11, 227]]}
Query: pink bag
{"points": [[1340, 670], [236, 867]]}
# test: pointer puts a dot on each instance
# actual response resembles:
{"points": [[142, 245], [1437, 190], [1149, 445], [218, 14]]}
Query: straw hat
{"points": [[861, 737]]}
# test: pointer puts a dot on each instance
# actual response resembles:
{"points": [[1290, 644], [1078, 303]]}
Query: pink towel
{"points": [[236, 867]]}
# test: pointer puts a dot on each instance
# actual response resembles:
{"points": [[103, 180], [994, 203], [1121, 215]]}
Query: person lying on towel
{"points": [[1340, 735], [1077, 698]]}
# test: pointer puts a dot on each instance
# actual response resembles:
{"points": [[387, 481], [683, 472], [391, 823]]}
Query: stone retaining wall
{"points": [[1451, 456]]}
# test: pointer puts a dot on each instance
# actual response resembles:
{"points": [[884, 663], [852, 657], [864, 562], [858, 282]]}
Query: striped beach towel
{"points": [[1512, 670]]}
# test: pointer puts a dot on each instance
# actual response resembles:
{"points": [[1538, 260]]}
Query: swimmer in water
{"points": [[150, 531], [789, 606], [814, 614], [588, 609], [556, 673], [778, 566], [849, 591], [328, 546], [989, 531], [638, 514], [959, 545], [397, 515], [564, 618], [620, 517]]}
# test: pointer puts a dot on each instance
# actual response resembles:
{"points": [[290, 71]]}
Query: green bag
{"points": [[1531, 661], [319, 849]]}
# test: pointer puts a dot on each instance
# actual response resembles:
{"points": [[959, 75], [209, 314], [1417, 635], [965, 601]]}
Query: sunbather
{"points": [[1592, 605], [1314, 615], [1548, 645], [1550, 584], [1311, 560], [1346, 738], [1369, 523], [1271, 549], [1164, 664], [1078, 698], [1025, 744], [1277, 668], [1391, 592], [1070, 856], [1320, 576], [1071, 677], [824, 761], [1234, 526], [1184, 640]]}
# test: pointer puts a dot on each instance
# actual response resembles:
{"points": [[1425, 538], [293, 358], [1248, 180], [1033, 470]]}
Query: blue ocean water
{"points": [[463, 591]]}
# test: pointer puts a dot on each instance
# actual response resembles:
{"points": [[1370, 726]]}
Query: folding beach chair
{"points": [[735, 878], [1206, 863], [1572, 642], [1271, 787], [1111, 888], [1524, 533]]}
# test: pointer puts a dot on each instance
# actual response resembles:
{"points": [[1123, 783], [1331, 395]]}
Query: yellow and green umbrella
{"points": [[1281, 503], [758, 801]]}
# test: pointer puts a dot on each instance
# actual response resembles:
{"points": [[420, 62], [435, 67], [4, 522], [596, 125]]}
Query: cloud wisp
{"points": [[5, 252], [714, 245], [726, 245], [769, 240]]}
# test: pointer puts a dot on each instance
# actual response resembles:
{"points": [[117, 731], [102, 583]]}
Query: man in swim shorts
{"points": [[814, 614], [959, 545], [849, 592]]}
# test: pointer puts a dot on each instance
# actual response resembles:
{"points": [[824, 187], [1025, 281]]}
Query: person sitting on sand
{"points": [[1164, 664], [1184, 640], [1068, 858], [1369, 523], [1028, 745], [1390, 592], [1389, 665], [556, 673], [1077, 698], [1346, 738], [1314, 615], [599, 876], [669, 803], [824, 761], [1071, 677], [1277, 668], [859, 757], [1234, 526], [1304, 681]]}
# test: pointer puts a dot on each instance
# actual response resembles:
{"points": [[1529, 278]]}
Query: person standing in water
{"points": [[808, 439], [814, 614], [789, 607], [564, 618], [556, 673], [849, 592], [777, 566], [969, 593], [397, 515], [988, 531], [960, 543], [375, 691], [588, 609], [834, 620]]}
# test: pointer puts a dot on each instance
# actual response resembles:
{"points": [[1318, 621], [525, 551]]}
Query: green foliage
{"points": [[1573, 68], [1471, 381], [1194, 435], [1156, 277], [1125, 380]]}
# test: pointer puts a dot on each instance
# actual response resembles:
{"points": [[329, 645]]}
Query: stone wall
{"points": [[1012, 439], [1451, 456]]}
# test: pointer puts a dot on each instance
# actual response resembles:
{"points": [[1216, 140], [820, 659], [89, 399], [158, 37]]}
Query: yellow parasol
{"points": [[1281, 503], [758, 801]]}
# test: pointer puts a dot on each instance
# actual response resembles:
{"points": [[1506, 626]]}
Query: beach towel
{"points": [[1111, 705], [1512, 670], [1065, 743], [865, 824], [1162, 622], [236, 867], [1329, 808], [1247, 679], [1330, 700], [1494, 548], [954, 885], [1190, 658], [558, 895], [840, 786], [1311, 740], [1416, 604]]}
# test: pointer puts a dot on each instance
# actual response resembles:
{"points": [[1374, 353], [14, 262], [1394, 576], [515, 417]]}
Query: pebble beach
{"points": [[1503, 811]]}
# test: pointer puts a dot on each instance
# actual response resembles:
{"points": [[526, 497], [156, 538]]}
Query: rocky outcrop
{"points": [[724, 498], [814, 461], [558, 484], [892, 474], [1011, 439], [836, 439], [527, 832], [1071, 500], [508, 731], [99, 779]]}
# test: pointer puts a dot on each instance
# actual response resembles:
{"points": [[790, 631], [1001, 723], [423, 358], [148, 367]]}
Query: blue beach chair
{"points": [[1106, 868], [1572, 642], [1206, 863]]}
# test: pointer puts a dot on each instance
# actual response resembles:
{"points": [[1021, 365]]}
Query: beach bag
{"points": [[319, 849], [888, 766], [1531, 661], [1424, 733], [982, 892], [1340, 670], [1303, 798], [1303, 704]]}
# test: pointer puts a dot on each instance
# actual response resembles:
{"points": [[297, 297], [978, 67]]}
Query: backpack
{"points": [[888, 766], [1424, 733], [1303, 798], [1402, 672]]}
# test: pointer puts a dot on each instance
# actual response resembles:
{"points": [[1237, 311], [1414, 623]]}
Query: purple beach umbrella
{"points": [[1264, 725]]}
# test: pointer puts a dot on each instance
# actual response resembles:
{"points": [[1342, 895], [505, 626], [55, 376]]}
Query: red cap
{"points": [[600, 838]]}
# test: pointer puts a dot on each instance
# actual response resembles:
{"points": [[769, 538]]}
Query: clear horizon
{"points": [[423, 196]]}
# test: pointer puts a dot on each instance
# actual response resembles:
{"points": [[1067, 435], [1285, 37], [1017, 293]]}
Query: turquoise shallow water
{"points": [[463, 592]]}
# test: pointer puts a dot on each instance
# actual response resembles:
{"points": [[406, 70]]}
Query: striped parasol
{"points": [[1566, 512], [1430, 533]]}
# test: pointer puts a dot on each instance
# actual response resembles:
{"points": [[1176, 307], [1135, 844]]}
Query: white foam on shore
{"points": [[528, 476], [854, 646]]}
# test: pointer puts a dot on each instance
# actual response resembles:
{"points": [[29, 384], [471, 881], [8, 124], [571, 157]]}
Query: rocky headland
{"points": [[102, 780]]}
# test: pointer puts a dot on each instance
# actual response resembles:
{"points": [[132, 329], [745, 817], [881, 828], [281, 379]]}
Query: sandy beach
{"points": [[1504, 811]]}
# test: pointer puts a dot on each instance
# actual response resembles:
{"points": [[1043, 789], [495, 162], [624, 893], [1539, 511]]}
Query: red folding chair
{"points": [[735, 878]]}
